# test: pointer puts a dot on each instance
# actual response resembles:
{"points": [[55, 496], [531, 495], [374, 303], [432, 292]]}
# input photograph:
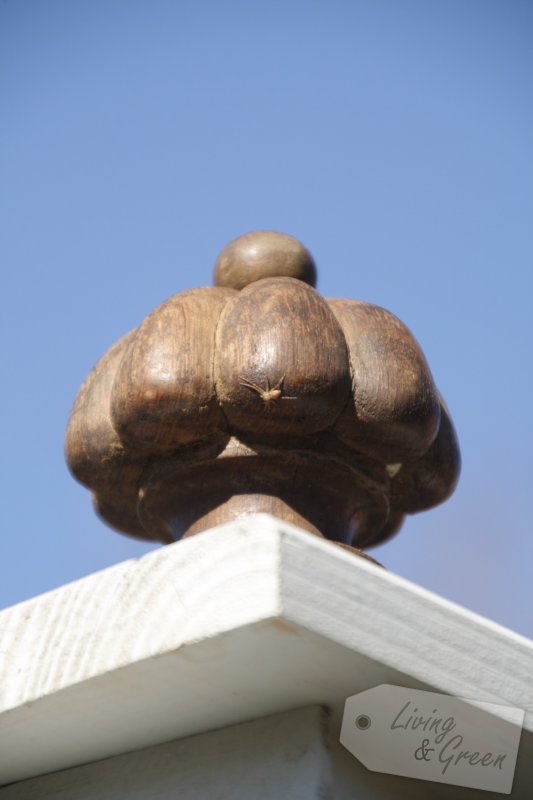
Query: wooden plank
{"points": [[239, 622], [279, 756]]}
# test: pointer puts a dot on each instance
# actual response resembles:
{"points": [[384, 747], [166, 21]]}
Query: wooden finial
{"points": [[258, 394], [263, 254]]}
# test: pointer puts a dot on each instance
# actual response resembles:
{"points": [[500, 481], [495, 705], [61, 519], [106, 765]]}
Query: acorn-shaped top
{"points": [[258, 394]]}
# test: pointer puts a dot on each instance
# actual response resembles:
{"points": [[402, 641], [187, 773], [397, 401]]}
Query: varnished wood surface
{"points": [[188, 497], [95, 452], [163, 395], [263, 254], [280, 328], [327, 408], [395, 412]]}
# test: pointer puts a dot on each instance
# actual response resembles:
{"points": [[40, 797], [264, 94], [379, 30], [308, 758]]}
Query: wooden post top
{"points": [[257, 394]]}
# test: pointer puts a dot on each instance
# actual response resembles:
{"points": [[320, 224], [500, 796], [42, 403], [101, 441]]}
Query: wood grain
{"points": [[432, 479], [394, 413], [281, 328], [189, 497], [259, 395], [164, 393], [263, 254], [239, 622], [95, 453]]}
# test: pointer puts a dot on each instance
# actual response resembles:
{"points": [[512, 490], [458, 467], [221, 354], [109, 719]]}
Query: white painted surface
{"points": [[283, 756], [243, 621]]}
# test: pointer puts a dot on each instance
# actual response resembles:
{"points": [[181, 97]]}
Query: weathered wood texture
{"points": [[165, 396], [258, 394], [282, 756], [263, 254], [228, 626], [281, 328]]}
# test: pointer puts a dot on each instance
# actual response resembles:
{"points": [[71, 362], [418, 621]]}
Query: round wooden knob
{"points": [[281, 363], [263, 254], [258, 394]]}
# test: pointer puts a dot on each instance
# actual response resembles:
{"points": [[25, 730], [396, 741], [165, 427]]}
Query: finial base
{"points": [[319, 494]]}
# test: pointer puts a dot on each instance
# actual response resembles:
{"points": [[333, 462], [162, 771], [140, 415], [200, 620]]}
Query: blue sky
{"points": [[393, 137]]}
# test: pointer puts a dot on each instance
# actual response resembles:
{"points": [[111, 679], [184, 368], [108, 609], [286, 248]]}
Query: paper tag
{"points": [[433, 737]]}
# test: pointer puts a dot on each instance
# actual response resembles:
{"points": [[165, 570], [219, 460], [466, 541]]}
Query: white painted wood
{"points": [[286, 756], [239, 622], [282, 756]]}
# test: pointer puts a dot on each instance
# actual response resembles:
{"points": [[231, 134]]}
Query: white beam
{"points": [[250, 619]]}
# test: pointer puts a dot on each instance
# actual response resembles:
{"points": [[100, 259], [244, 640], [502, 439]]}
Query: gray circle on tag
{"points": [[363, 722]]}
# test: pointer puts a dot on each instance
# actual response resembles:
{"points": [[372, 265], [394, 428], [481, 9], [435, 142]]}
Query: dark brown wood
{"points": [[263, 254], [164, 392], [259, 395], [280, 332], [430, 480], [95, 453], [394, 411], [187, 496]]}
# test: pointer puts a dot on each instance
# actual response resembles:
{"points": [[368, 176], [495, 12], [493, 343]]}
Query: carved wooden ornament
{"points": [[257, 394]]}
